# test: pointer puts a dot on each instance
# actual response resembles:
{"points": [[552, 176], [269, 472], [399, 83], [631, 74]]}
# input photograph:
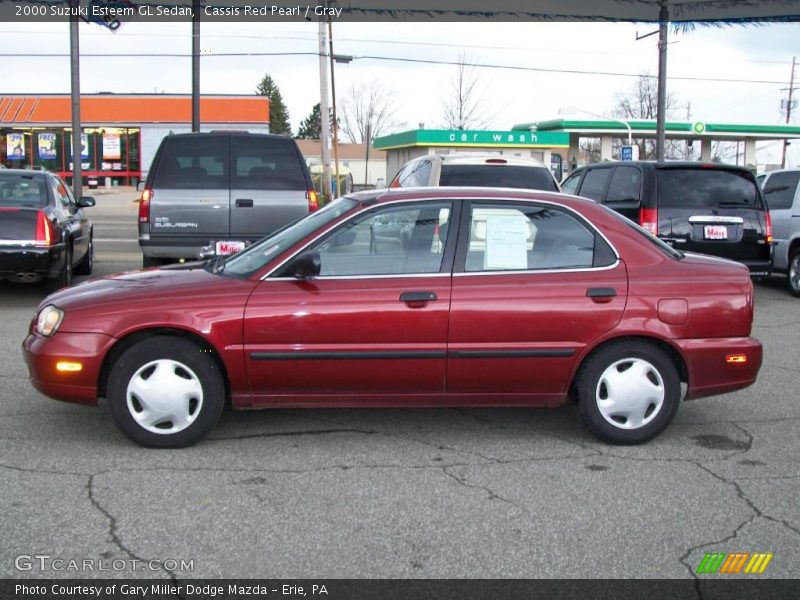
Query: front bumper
{"points": [[41, 355], [710, 373]]}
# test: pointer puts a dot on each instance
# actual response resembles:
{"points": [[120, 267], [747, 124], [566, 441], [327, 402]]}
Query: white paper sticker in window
{"points": [[506, 242]]}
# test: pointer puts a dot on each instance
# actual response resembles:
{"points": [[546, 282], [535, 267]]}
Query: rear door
{"points": [[533, 285], [191, 189], [269, 185], [712, 211]]}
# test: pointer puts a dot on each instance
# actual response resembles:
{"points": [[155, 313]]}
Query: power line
{"points": [[396, 59]]}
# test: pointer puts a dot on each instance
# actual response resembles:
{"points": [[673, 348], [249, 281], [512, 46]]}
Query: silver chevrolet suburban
{"points": [[213, 194]]}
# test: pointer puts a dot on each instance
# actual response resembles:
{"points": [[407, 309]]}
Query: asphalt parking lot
{"points": [[479, 493]]}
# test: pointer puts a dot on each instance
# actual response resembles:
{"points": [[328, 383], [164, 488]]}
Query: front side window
{"points": [[522, 238], [257, 256], [389, 241], [780, 190]]}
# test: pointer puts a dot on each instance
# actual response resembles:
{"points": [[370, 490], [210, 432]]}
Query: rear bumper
{"points": [[190, 249], [709, 372], [758, 267], [45, 262], [41, 355]]}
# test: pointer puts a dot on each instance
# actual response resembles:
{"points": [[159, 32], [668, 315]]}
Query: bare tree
{"points": [[640, 102], [370, 106], [464, 108]]}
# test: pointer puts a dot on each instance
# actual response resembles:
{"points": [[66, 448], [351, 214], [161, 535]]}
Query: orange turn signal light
{"points": [[68, 366], [736, 358]]}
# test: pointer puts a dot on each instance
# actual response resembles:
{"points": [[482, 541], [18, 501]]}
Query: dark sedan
{"points": [[558, 298], [44, 233]]}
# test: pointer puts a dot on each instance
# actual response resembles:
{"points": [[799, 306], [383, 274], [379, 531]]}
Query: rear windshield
{"points": [[533, 178], [238, 162], [706, 188], [22, 190]]}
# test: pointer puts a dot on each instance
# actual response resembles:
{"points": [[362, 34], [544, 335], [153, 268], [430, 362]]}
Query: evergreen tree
{"points": [[278, 113], [310, 128]]}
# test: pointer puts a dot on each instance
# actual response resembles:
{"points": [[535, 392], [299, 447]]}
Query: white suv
{"points": [[475, 170]]}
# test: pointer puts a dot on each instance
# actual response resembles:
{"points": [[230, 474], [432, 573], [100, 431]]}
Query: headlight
{"points": [[49, 319]]}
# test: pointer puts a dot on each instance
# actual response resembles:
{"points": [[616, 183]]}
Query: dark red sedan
{"points": [[418, 298]]}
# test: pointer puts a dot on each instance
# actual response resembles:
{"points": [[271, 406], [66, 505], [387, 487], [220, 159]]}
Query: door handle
{"points": [[417, 297], [244, 203], [601, 294]]}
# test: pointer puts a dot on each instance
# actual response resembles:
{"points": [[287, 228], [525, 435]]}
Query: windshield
{"points": [[22, 190], [255, 257], [532, 178], [662, 245]]}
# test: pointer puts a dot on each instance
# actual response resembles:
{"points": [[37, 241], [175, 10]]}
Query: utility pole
{"points": [[324, 114], [662, 82], [75, 93], [368, 141], [196, 65], [789, 111], [335, 120]]}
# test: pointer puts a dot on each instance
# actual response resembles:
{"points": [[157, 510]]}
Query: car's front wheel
{"points": [[628, 392], [793, 274], [165, 392]]}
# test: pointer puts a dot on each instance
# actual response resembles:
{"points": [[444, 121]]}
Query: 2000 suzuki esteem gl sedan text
{"points": [[473, 297]]}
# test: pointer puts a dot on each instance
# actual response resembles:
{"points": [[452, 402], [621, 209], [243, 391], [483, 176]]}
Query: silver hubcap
{"points": [[164, 396], [630, 393], [794, 273]]}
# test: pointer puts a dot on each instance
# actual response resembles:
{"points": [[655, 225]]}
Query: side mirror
{"points": [[140, 186], [307, 265], [86, 202]]}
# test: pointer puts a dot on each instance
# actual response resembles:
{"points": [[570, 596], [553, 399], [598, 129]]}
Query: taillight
{"points": [[648, 219], [144, 206], [768, 232], [313, 200], [44, 230]]}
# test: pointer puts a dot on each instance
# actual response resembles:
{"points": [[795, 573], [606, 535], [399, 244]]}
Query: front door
{"points": [[533, 285], [372, 325]]}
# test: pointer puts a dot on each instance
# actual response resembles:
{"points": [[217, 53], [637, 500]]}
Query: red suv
{"points": [[418, 298]]}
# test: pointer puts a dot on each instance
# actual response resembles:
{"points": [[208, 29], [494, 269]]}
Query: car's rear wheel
{"points": [[793, 274], [87, 264], [64, 277], [165, 392], [628, 392]]}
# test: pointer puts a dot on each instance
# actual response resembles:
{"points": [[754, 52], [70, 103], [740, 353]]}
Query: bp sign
{"points": [[699, 128]]}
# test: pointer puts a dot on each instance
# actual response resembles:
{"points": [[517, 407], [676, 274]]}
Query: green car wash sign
{"points": [[474, 139]]}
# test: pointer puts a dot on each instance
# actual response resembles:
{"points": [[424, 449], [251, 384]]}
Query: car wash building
{"points": [[120, 132], [549, 148]]}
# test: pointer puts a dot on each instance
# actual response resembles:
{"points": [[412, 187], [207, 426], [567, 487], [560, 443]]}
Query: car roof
{"points": [[32, 172], [229, 132], [481, 159], [673, 164], [466, 193]]}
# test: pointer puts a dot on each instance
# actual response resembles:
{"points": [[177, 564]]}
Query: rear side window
{"points": [[510, 176], [706, 189], [594, 183], [194, 163], [22, 190], [266, 164], [625, 184], [780, 190]]}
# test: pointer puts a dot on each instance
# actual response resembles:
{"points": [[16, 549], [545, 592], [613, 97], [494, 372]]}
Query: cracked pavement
{"points": [[373, 493]]}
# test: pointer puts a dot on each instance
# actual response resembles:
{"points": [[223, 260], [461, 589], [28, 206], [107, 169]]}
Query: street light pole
{"points": [[324, 115], [333, 99], [196, 66], [662, 82], [75, 93]]}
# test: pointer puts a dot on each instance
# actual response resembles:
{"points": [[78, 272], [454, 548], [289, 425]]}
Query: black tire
{"points": [[87, 264], [591, 386], [193, 365], [793, 272], [64, 277], [149, 261]]}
